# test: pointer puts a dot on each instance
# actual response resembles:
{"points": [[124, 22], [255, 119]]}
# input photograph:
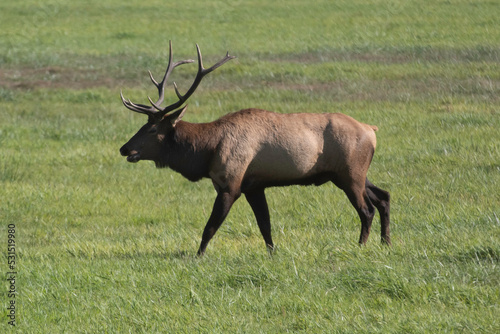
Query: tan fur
{"points": [[268, 146], [250, 150]]}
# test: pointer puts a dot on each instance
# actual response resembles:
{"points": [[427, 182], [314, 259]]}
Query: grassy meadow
{"points": [[105, 246]]}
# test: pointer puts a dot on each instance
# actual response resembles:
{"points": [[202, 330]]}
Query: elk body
{"points": [[250, 150]]}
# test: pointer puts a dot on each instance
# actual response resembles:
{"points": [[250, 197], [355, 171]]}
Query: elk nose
{"points": [[124, 151]]}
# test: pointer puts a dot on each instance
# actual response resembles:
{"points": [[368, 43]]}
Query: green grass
{"points": [[104, 246]]}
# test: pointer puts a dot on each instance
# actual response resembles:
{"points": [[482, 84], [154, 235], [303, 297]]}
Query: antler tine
{"points": [[153, 79], [170, 67], [177, 91], [140, 108], [221, 62], [157, 107], [199, 76], [154, 108]]}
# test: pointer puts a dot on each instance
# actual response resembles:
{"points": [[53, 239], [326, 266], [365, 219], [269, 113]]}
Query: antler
{"points": [[155, 109], [149, 110]]}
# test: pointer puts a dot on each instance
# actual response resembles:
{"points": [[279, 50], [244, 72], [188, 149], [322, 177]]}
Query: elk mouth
{"points": [[134, 157]]}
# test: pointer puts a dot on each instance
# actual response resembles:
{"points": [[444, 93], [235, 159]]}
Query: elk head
{"points": [[147, 143]]}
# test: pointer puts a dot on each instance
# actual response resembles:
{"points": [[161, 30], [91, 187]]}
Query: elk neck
{"points": [[190, 148]]}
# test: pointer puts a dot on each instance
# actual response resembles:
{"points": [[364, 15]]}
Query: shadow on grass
{"points": [[478, 254], [159, 254]]}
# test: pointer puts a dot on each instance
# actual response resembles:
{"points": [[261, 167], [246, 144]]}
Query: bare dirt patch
{"points": [[120, 72], [417, 54], [55, 77], [375, 90]]}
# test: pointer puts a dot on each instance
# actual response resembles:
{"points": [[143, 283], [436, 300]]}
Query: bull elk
{"points": [[247, 151]]}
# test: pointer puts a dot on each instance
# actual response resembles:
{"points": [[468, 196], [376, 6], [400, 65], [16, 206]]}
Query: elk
{"points": [[247, 151]]}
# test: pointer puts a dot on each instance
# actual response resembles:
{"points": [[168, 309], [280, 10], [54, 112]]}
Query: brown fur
{"points": [[250, 150]]}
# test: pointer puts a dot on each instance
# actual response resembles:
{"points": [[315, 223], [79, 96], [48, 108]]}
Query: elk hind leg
{"points": [[258, 203], [382, 201], [359, 199]]}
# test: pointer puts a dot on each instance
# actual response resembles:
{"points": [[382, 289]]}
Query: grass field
{"points": [[104, 246]]}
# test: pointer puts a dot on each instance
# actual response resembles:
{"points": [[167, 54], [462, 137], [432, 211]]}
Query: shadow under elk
{"points": [[247, 151]]}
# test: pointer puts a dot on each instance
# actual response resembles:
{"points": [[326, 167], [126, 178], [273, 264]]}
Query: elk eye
{"points": [[152, 130]]}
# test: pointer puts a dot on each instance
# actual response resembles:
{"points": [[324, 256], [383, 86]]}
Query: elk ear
{"points": [[175, 117]]}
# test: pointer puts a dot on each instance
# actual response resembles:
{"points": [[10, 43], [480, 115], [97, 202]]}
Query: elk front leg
{"points": [[257, 200], [222, 205]]}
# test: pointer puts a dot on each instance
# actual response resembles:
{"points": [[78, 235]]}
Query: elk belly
{"points": [[286, 160]]}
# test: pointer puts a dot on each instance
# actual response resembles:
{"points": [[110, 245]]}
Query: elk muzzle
{"points": [[132, 156]]}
